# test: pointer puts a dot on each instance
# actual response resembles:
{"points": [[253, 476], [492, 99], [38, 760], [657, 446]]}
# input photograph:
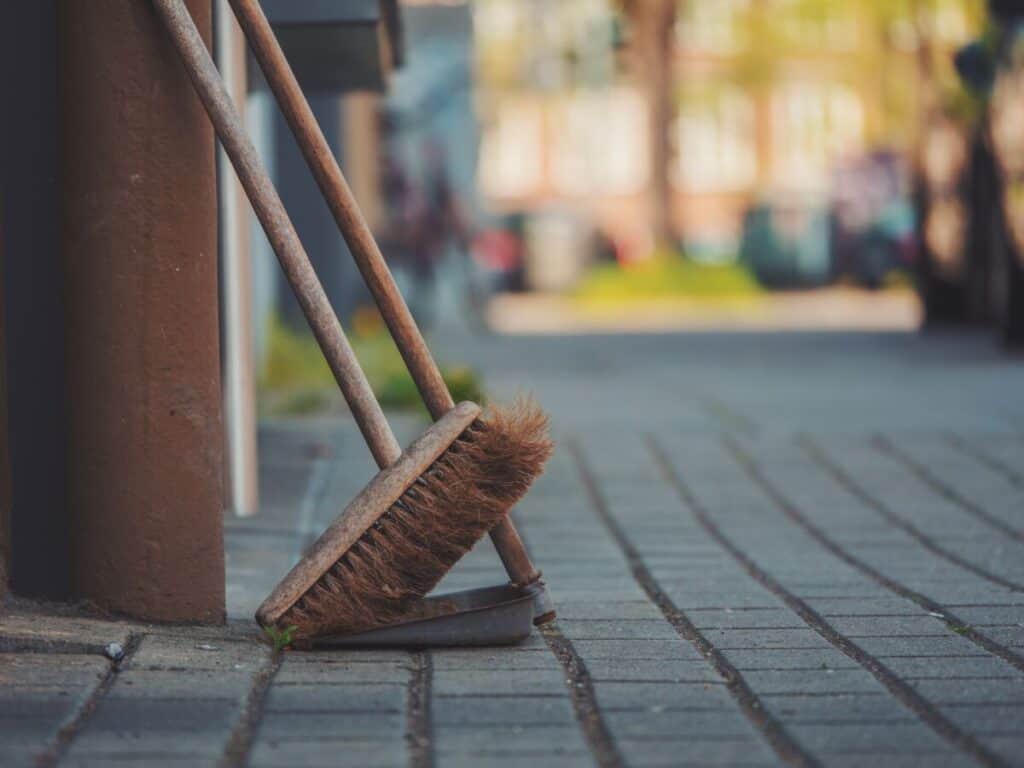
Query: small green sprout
{"points": [[960, 629], [280, 638]]}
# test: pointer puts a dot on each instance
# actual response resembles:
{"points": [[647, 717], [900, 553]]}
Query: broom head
{"points": [[406, 529]]}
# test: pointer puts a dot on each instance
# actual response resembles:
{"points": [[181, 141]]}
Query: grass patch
{"points": [[297, 380], [666, 276], [280, 639]]}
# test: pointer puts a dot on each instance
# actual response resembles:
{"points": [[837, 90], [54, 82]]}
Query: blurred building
{"points": [[768, 96]]}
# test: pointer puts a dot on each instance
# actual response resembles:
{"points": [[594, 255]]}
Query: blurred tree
{"points": [[652, 27], [898, 51]]}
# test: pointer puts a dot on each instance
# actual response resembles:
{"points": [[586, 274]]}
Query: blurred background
{"points": [[647, 165]]}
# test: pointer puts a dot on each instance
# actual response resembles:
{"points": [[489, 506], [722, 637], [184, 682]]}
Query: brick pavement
{"points": [[765, 550]]}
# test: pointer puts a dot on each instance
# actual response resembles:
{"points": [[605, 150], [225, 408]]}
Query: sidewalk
{"points": [[835, 309], [765, 549]]}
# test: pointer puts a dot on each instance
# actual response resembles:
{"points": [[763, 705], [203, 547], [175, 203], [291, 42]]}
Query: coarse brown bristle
{"points": [[460, 497]]}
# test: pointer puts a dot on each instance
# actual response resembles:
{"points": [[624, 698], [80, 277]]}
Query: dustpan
{"points": [[486, 616]]}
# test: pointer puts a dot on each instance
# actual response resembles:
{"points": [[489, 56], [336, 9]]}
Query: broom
{"points": [[339, 198], [427, 506]]}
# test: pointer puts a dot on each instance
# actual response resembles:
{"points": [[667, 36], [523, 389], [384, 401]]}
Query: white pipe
{"points": [[236, 291]]}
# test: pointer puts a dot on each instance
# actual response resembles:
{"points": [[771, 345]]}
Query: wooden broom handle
{"points": [[367, 255], [274, 218]]}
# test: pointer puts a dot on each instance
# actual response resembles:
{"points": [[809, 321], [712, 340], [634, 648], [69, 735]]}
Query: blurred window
{"points": [[710, 26], [814, 26], [598, 143], [501, 43], [716, 142], [511, 152], [813, 125], [544, 46], [950, 23]]}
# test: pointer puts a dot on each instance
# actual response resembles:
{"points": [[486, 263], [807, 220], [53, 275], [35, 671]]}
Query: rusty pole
{"points": [[139, 247]]}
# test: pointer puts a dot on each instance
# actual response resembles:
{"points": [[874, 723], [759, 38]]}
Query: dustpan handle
{"points": [[280, 231], [365, 251]]}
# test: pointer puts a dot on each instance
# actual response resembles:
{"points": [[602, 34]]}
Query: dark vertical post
{"points": [[33, 311], [139, 240], [5, 457]]}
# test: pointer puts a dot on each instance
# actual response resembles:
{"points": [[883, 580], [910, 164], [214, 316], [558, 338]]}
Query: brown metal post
{"points": [[139, 246]]}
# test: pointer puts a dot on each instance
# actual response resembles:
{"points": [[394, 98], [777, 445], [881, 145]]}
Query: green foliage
{"points": [[397, 389], [280, 638], [297, 380], [666, 276], [858, 40]]}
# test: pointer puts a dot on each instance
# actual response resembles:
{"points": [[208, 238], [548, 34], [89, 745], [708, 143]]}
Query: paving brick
{"points": [[948, 667], [505, 710], [732, 751], [199, 746], [18, 755], [144, 715], [60, 632], [344, 753], [1009, 688], [58, 670], [771, 618], [624, 628], [669, 670], [812, 681], [788, 658], [990, 614], [283, 727], [50, 708], [891, 737], [727, 639], [1000, 718], [541, 661], [657, 697], [941, 644], [311, 672], [498, 682], [327, 697], [509, 740], [330, 658], [637, 649], [835, 706], [603, 610], [1009, 747], [488, 658], [934, 759], [527, 759], [717, 723], [140, 759], [181, 684], [888, 626], [28, 730]]}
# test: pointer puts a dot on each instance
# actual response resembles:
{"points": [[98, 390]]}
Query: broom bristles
{"points": [[441, 515]]}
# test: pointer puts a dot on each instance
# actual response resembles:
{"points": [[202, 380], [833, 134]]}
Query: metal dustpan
{"points": [[487, 616]]}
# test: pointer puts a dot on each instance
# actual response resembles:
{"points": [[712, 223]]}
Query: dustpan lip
{"points": [[493, 615]]}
